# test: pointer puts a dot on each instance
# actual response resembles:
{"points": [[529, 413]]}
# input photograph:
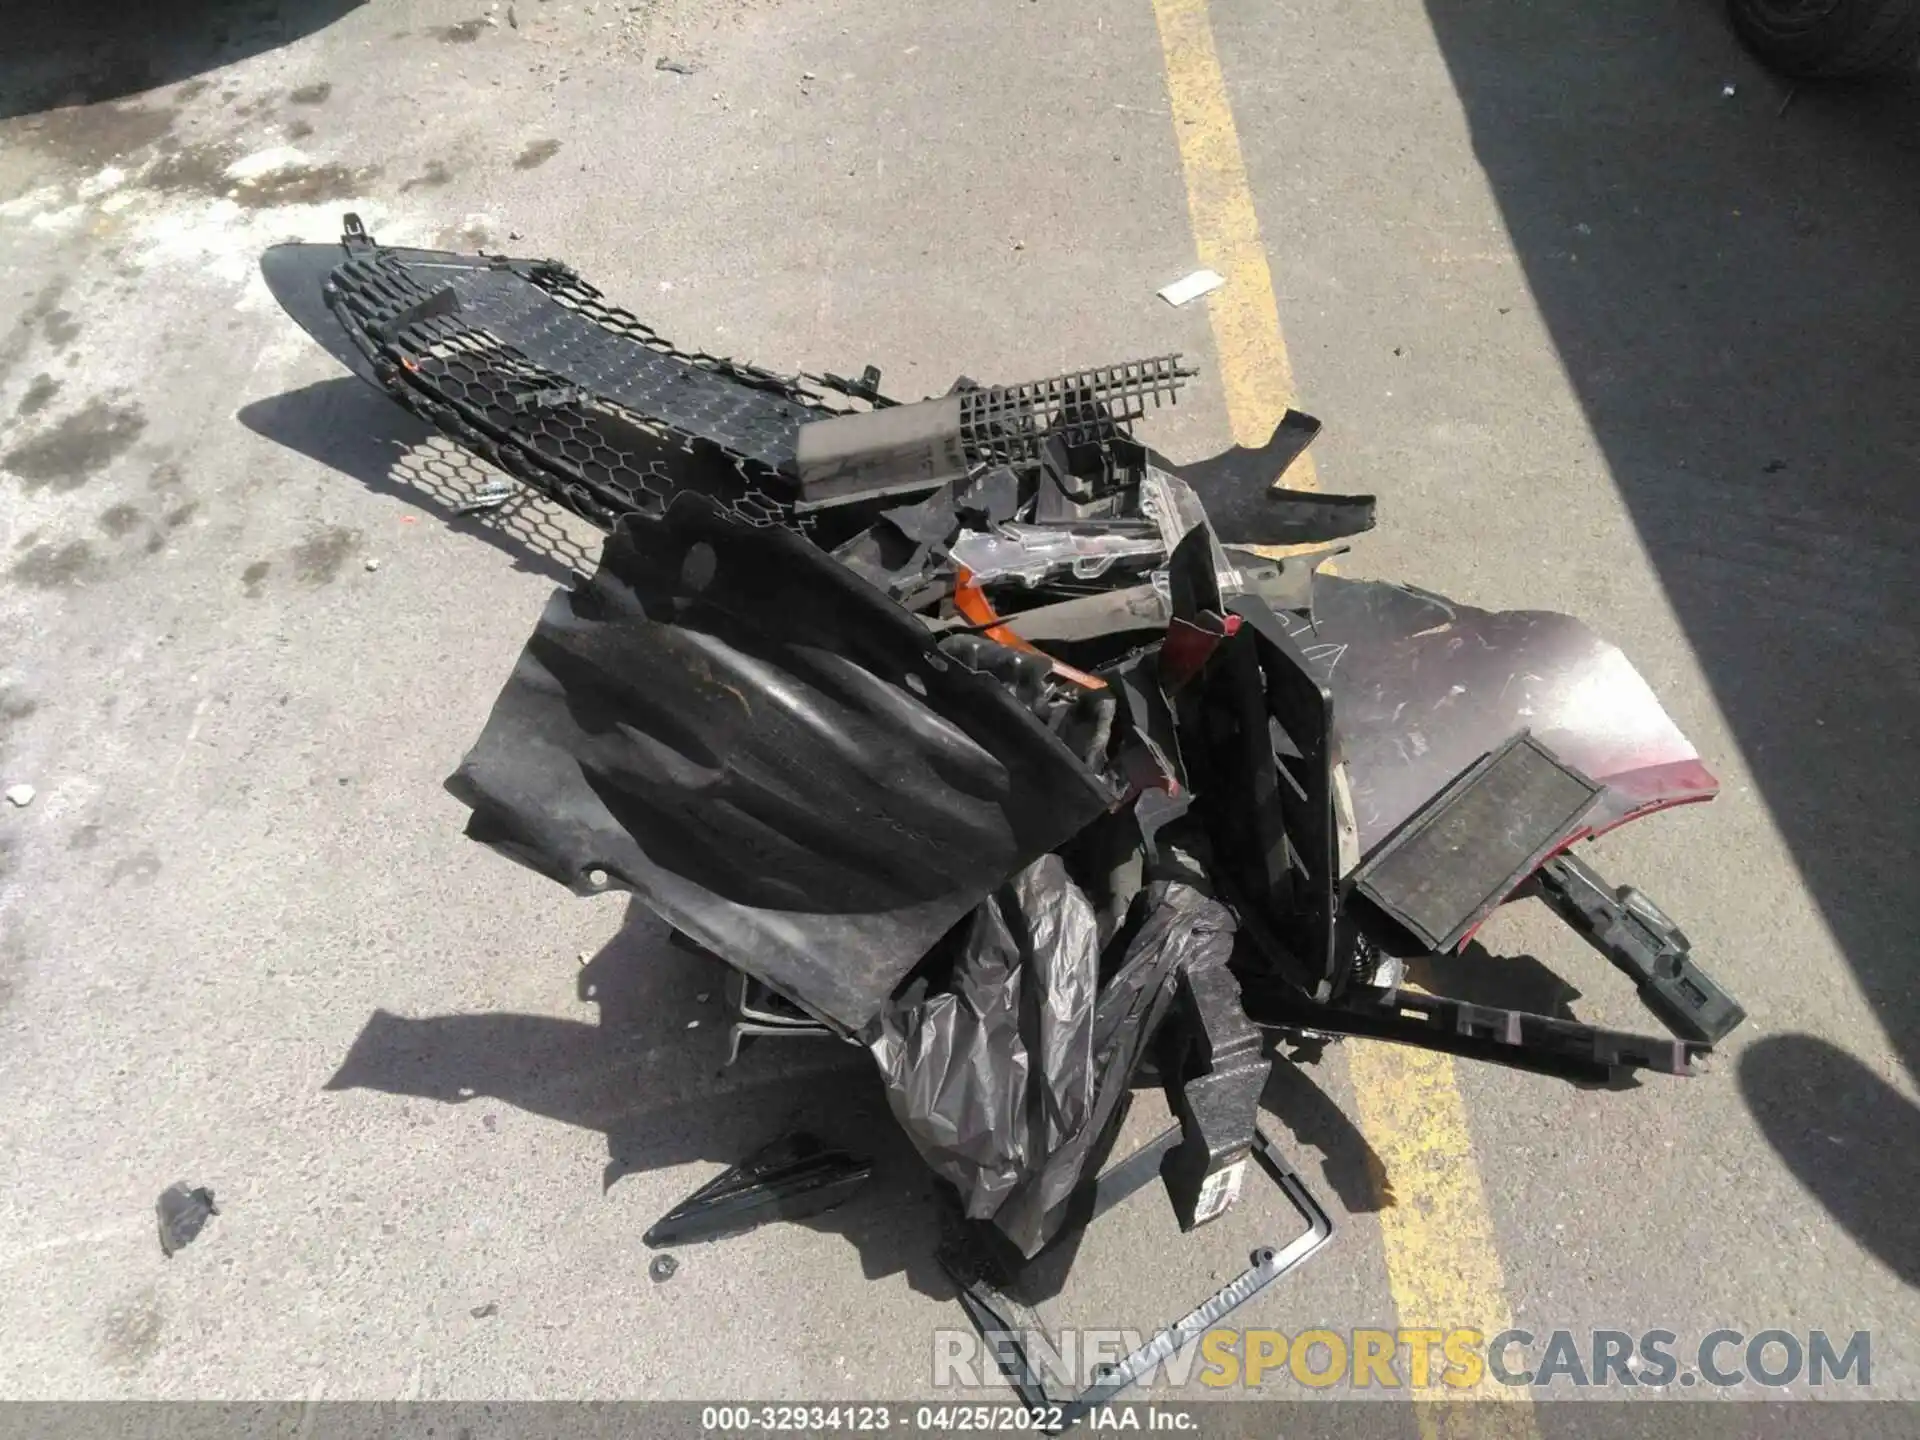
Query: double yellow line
{"points": [[1442, 1263]]}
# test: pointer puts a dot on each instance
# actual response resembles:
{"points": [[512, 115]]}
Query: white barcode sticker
{"points": [[1218, 1192]]}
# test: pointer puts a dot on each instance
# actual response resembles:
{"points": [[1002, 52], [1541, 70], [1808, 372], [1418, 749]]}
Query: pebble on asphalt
{"points": [[21, 795], [183, 1215]]}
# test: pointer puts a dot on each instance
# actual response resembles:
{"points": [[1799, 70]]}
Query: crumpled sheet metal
{"points": [[1007, 1081], [771, 754]]}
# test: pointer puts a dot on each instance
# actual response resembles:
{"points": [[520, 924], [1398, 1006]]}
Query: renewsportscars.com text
{"points": [[1433, 1359]]}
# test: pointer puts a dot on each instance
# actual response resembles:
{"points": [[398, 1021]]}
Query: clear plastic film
{"points": [[1173, 506], [1034, 554]]}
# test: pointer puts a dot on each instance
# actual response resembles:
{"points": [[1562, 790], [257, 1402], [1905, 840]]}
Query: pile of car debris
{"points": [[975, 731]]}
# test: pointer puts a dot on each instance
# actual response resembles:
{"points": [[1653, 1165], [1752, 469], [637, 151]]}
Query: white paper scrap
{"points": [[1192, 287]]}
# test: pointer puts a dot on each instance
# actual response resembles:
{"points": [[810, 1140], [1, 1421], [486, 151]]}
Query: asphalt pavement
{"points": [[1612, 321]]}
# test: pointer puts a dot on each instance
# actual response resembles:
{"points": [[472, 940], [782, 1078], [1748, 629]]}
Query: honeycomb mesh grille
{"points": [[532, 368], [529, 366]]}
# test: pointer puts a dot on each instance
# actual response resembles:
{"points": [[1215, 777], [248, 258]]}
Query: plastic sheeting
{"points": [[991, 1074], [1008, 1078], [1034, 554]]}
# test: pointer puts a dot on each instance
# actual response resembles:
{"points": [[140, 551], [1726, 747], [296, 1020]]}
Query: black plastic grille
{"points": [[1003, 424], [532, 368]]}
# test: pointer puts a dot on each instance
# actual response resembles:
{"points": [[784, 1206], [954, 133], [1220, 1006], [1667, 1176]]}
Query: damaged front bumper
{"points": [[973, 731]]}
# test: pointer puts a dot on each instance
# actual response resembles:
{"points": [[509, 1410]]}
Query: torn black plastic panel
{"points": [[772, 755], [1214, 1067], [183, 1212], [905, 551], [1192, 579], [907, 571], [1149, 753], [1244, 466], [931, 521], [1239, 488], [991, 498]]}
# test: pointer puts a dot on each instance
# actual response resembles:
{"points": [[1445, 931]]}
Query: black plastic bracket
{"points": [[866, 388], [441, 302], [1003, 1321], [1515, 1038], [790, 1179], [1213, 1065], [1633, 932]]}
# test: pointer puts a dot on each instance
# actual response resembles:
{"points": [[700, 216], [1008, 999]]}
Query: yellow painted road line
{"points": [[1254, 369], [1442, 1264]]}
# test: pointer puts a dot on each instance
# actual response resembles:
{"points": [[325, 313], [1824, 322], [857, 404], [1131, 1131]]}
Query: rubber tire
{"points": [[1853, 37]]}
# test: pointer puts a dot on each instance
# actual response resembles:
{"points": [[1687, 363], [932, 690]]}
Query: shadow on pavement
{"points": [[1829, 1116], [59, 53], [1733, 285], [347, 425], [1511, 982], [1311, 1117], [658, 1089]]}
